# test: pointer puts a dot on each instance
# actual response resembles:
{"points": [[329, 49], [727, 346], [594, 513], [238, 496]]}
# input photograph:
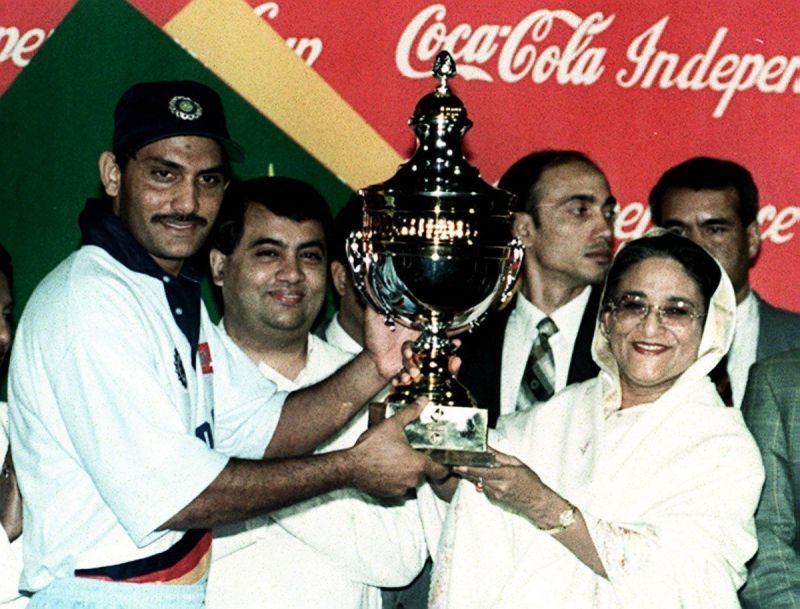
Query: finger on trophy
{"points": [[411, 368], [437, 471], [410, 413], [454, 364]]}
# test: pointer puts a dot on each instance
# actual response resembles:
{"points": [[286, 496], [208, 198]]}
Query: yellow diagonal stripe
{"points": [[245, 52]]}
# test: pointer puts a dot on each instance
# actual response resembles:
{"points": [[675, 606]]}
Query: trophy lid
{"points": [[438, 167]]}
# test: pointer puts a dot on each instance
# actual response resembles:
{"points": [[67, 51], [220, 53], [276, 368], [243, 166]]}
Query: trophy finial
{"points": [[444, 67]]}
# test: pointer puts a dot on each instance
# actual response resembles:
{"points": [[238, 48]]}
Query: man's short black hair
{"points": [[6, 267], [522, 178], [707, 173], [285, 197]]}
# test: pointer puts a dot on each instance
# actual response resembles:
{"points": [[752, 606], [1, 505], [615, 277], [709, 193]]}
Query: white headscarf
{"points": [[720, 323]]}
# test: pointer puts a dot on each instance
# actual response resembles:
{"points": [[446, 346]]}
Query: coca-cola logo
{"points": [[18, 47], [507, 52], [527, 50], [633, 220]]}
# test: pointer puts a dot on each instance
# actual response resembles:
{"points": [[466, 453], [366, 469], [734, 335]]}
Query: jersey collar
{"points": [[104, 229]]}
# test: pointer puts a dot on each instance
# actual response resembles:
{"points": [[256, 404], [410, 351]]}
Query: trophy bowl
{"points": [[435, 252]]}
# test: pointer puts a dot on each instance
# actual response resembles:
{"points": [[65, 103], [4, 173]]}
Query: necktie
{"points": [[719, 376], [540, 371]]}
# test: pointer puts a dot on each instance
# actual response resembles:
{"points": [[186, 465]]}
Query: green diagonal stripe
{"points": [[56, 119]]}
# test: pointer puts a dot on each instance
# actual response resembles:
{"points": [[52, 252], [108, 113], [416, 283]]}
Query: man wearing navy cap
{"points": [[135, 429]]}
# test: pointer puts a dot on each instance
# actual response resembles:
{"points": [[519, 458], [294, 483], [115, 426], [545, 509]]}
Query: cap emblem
{"points": [[185, 108]]}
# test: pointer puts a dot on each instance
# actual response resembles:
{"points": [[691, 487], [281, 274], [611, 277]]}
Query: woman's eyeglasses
{"points": [[630, 310]]}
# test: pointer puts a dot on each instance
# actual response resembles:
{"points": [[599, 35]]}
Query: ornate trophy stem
{"points": [[435, 252], [437, 383]]}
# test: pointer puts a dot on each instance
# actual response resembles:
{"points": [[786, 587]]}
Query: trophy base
{"points": [[451, 435], [460, 457]]}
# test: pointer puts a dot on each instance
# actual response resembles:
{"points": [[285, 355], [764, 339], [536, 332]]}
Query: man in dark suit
{"points": [[771, 409], [714, 203], [565, 223]]}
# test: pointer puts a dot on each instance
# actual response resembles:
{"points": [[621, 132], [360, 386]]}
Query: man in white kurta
{"points": [[335, 550], [667, 490]]}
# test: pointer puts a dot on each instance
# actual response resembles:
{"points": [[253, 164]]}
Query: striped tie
{"points": [[540, 371]]}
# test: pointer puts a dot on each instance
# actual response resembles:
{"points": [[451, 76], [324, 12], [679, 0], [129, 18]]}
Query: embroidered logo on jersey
{"points": [[185, 108], [179, 370], [204, 352]]}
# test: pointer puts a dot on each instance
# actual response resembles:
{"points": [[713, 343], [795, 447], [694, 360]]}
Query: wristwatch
{"points": [[565, 520]]}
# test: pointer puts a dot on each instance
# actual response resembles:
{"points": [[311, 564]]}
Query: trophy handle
{"points": [[510, 272], [355, 248]]}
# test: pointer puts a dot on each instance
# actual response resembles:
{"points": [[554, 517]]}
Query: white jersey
{"points": [[113, 423]]}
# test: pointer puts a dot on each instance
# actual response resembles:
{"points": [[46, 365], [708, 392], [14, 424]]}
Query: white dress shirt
{"points": [[743, 351], [519, 336]]}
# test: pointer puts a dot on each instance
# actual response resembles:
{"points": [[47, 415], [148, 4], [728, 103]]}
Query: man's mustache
{"points": [[192, 218]]}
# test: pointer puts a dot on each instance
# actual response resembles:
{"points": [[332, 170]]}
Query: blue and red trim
{"points": [[171, 565]]}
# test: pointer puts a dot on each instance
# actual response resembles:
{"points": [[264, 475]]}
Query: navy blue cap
{"points": [[152, 111]]}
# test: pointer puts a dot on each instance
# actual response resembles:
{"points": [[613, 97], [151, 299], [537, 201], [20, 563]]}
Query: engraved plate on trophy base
{"points": [[453, 435]]}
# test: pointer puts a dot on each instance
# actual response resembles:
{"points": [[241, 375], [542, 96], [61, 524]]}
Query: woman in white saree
{"points": [[635, 489]]}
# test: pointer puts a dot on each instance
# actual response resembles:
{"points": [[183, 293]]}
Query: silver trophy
{"points": [[435, 253]]}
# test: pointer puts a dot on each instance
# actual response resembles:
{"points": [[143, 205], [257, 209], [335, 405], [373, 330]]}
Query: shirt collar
{"points": [[748, 307], [102, 228], [281, 382], [567, 317]]}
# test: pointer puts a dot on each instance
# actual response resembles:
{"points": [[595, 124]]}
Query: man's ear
{"points": [[753, 232], [217, 261], [523, 227], [339, 277], [110, 173]]}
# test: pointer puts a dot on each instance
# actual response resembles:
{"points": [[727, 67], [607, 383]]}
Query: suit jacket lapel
{"points": [[481, 359], [582, 366], [764, 330]]}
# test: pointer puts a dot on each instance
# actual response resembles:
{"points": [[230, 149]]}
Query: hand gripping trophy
{"points": [[435, 252]]}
